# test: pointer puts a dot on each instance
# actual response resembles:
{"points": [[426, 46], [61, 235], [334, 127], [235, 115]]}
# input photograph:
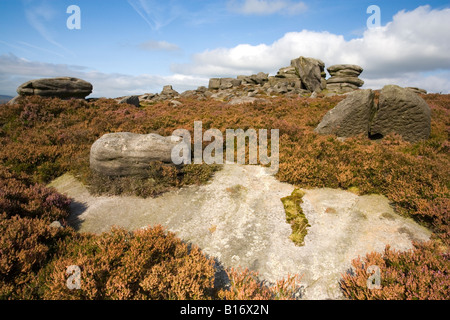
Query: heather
{"points": [[422, 273], [41, 138]]}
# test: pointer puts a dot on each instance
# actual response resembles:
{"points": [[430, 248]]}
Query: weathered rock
{"points": [[175, 103], [133, 100], [214, 83], [261, 77], [202, 89], [347, 80], [147, 96], [227, 83], [417, 90], [310, 72], [14, 100], [288, 72], [403, 112], [350, 117], [344, 78], [64, 88], [341, 87], [168, 91], [243, 100], [124, 153], [189, 94], [351, 68], [56, 224]]}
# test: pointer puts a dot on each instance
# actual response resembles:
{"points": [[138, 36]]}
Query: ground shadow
{"points": [[76, 210]]}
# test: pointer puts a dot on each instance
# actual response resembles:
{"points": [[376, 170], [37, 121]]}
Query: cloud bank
{"points": [[15, 71], [414, 43], [411, 50]]}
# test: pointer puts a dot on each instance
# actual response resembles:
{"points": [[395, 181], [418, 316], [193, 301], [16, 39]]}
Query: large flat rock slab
{"points": [[239, 219]]}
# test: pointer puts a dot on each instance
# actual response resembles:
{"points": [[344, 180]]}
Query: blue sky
{"points": [[138, 46]]}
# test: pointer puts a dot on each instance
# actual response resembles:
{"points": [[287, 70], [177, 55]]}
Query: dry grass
{"points": [[42, 138]]}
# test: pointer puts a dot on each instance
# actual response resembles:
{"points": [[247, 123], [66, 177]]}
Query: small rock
{"points": [[133, 100], [243, 100], [56, 225], [175, 103]]}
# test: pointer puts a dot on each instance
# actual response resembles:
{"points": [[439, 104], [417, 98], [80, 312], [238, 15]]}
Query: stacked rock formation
{"points": [[344, 78], [303, 76]]}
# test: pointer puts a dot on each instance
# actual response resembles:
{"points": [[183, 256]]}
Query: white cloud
{"points": [[14, 71], [414, 42], [266, 7], [158, 46], [38, 17], [155, 13]]}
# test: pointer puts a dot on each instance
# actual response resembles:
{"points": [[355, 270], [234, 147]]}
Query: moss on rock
{"points": [[295, 216]]}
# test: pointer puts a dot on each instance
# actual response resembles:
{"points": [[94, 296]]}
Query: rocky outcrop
{"points": [[403, 112], [351, 117], [124, 153], [63, 88], [344, 78], [399, 111], [304, 77], [167, 93]]}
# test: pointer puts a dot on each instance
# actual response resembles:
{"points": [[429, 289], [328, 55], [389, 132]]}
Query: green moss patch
{"points": [[295, 216]]}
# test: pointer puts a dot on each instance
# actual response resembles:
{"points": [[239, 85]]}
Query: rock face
{"points": [[399, 111], [351, 116], [344, 78], [124, 153], [310, 72], [64, 88], [403, 112], [239, 219]]}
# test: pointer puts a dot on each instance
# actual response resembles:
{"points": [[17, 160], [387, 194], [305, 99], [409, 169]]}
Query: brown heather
{"points": [[41, 138], [419, 274]]}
